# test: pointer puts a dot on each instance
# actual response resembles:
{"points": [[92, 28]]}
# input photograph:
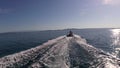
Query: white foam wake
{"points": [[62, 52]]}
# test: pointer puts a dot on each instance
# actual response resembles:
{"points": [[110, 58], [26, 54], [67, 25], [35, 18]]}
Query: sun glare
{"points": [[116, 31], [111, 2]]}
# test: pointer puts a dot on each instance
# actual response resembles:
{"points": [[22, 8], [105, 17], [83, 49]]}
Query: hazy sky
{"points": [[20, 15]]}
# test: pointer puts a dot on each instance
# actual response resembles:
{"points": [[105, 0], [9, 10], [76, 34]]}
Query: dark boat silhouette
{"points": [[70, 34]]}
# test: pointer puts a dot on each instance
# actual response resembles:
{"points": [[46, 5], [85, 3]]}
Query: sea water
{"points": [[105, 39]]}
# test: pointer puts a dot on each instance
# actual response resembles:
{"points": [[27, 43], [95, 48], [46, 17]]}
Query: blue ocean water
{"points": [[12, 42]]}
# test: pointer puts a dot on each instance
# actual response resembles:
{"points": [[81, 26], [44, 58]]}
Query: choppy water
{"points": [[105, 39]]}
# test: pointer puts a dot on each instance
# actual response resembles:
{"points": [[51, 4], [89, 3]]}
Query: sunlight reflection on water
{"points": [[116, 41]]}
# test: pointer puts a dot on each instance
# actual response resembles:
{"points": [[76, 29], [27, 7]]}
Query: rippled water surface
{"points": [[105, 39]]}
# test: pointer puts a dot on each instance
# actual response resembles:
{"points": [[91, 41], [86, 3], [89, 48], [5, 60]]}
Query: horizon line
{"points": [[54, 29]]}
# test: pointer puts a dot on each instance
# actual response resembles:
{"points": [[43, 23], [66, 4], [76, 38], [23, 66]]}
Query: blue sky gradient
{"points": [[25, 15]]}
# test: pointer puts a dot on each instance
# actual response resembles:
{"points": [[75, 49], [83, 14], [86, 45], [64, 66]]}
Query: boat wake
{"points": [[62, 52]]}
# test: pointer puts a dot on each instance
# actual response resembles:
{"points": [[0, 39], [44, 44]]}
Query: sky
{"points": [[27, 15]]}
